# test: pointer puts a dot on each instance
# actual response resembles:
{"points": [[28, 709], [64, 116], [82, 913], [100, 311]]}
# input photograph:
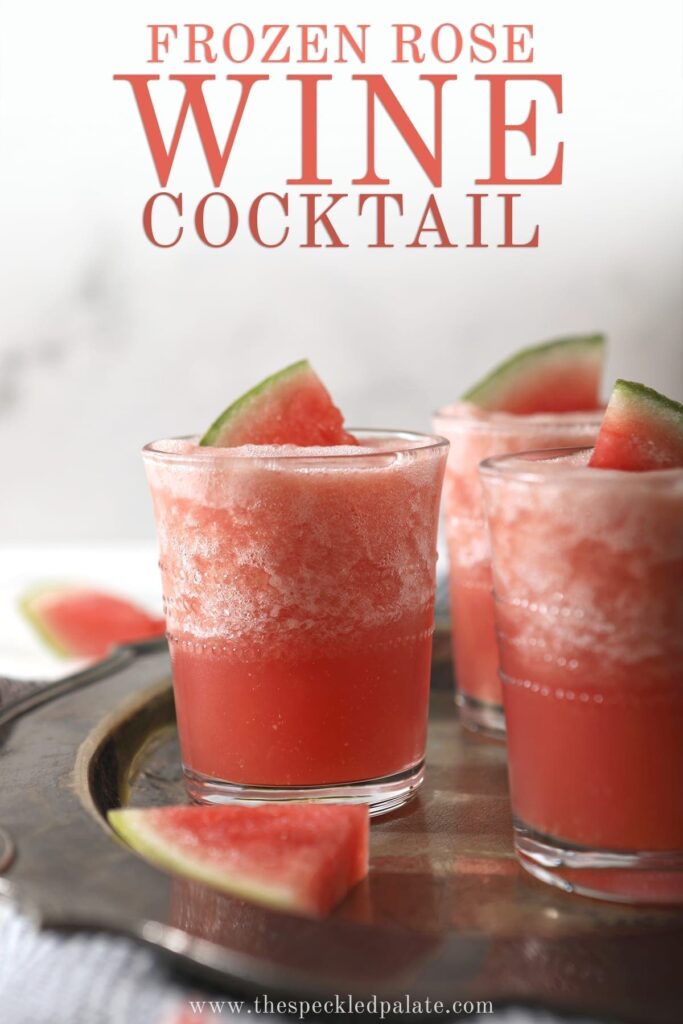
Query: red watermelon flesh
{"points": [[641, 430], [291, 407], [554, 377], [84, 623], [301, 857]]}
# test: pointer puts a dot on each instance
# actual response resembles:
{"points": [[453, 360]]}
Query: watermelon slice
{"points": [[83, 623], [291, 407], [641, 430], [557, 376], [300, 857]]}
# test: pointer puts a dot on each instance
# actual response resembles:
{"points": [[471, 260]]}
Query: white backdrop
{"points": [[106, 342]]}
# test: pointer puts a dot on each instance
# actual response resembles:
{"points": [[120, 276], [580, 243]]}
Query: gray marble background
{"points": [[106, 342]]}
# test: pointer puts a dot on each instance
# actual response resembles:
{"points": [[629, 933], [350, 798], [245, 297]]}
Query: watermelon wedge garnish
{"points": [[556, 376], [640, 430], [291, 407], [80, 622], [301, 857]]}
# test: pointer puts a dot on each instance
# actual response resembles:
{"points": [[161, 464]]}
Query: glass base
{"points": [[653, 877], [480, 716], [381, 795]]}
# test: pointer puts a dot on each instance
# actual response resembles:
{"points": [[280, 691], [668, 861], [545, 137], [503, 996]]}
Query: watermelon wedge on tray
{"points": [[556, 376], [79, 622], [300, 857], [641, 430], [291, 407]]}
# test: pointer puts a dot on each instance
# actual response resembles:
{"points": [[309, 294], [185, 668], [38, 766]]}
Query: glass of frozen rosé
{"points": [[587, 550], [298, 569], [547, 396]]}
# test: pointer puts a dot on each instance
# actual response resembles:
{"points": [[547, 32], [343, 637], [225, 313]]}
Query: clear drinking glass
{"points": [[299, 597], [587, 575], [475, 435]]}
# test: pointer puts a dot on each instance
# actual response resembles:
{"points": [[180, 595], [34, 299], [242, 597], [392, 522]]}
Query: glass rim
{"points": [[515, 466], [509, 422], [421, 442]]}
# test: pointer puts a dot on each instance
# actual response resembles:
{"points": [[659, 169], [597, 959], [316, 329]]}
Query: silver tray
{"points": [[446, 912]]}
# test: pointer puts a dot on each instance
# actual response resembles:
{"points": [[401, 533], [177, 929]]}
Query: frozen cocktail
{"points": [[299, 594], [546, 397], [587, 571]]}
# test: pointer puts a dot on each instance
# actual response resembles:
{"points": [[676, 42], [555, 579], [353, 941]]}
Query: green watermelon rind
{"points": [[642, 397], [27, 605], [230, 415], [518, 366], [148, 844]]}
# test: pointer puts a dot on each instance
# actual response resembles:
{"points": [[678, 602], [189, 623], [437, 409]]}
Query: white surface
{"points": [[106, 342]]}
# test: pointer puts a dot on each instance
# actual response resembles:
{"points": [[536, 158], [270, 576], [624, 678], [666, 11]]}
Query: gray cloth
{"points": [[51, 978]]}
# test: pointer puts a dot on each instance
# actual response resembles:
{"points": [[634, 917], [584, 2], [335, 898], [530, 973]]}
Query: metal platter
{"points": [[445, 913]]}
